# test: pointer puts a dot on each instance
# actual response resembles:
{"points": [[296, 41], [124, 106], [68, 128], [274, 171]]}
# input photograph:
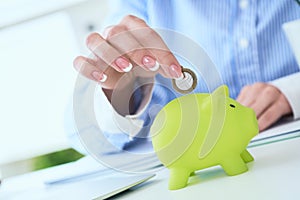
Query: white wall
{"points": [[38, 41]]}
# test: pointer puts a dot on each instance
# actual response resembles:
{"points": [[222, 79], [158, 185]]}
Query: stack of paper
{"points": [[286, 128]]}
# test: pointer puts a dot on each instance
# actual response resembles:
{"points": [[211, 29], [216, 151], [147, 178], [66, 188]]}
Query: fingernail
{"points": [[78, 63], [180, 77], [150, 63], [101, 77], [175, 71], [77, 66], [123, 64]]}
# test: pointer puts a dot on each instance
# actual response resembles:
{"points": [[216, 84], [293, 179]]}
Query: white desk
{"points": [[275, 174]]}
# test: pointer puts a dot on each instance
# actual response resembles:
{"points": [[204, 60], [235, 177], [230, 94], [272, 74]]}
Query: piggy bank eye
{"points": [[231, 105]]}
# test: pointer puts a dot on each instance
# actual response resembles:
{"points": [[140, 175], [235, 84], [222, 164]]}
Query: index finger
{"points": [[151, 40]]}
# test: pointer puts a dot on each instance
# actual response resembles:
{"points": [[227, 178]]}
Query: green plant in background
{"points": [[55, 158], [298, 1]]}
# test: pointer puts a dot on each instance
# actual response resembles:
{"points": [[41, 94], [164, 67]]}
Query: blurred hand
{"points": [[267, 101], [130, 47]]}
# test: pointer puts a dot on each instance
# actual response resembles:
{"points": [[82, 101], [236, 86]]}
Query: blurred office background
{"points": [[38, 42]]}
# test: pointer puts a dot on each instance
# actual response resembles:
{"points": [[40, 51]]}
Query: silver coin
{"points": [[187, 83]]}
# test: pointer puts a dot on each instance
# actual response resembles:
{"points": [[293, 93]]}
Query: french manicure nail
{"points": [[104, 78], [180, 77], [175, 71], [101, 77], [123, 64], [150, 63], [78, 63], [77, 66]]}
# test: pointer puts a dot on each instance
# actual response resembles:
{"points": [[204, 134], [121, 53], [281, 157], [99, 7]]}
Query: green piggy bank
{"points": [[198, 131]]}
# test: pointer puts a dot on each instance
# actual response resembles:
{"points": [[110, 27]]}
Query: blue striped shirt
{"points": [[243, 38]]}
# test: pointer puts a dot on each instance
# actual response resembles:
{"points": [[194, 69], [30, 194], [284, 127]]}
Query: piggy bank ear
{"points": [[216, 102], [221, 90]]}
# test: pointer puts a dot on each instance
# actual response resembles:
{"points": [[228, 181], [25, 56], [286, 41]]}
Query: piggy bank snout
{"points": [[251, 121]]}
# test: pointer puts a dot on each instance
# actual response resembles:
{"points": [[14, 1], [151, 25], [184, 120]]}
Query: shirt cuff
{"points": [[290, 87], [114, 124]]}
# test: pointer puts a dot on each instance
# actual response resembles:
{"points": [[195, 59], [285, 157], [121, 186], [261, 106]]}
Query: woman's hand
{"points": [[130, 47], [267, 101]]}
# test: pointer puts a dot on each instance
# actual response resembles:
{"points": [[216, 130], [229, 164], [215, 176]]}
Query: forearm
{"points": [[151, 100], [121, 99]]}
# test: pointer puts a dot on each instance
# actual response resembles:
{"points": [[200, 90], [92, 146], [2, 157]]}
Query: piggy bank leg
{"points": [[246, 156], [178, 178], [234, 166]]}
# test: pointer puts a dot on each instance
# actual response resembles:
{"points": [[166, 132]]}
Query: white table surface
{"points": [[275, 174]]}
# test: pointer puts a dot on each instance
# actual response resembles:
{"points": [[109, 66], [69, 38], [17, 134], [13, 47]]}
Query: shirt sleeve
{"points": [[120, 130], [113, 126], [121, 8], [290, 87], [117, 129]]}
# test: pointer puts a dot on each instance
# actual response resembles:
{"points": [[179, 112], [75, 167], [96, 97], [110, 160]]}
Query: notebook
{"points": [[286, 128], [90, 179]]}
